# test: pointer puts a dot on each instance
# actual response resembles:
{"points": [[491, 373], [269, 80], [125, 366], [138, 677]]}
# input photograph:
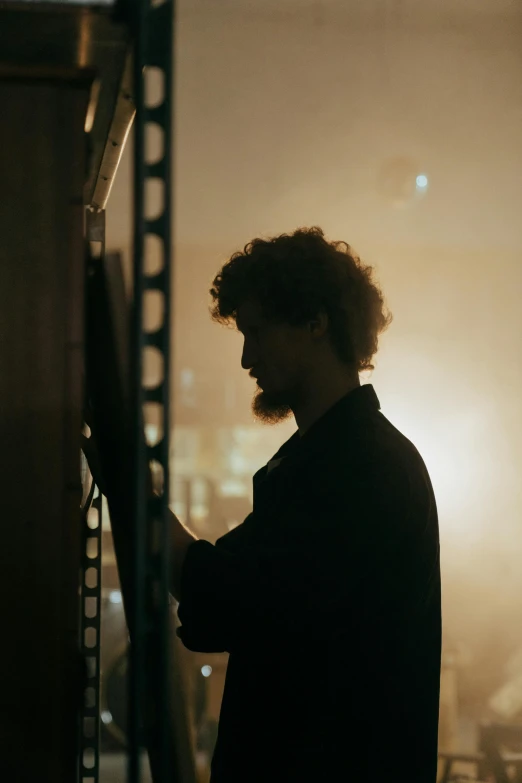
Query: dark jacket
{"points": [[327, 598]]}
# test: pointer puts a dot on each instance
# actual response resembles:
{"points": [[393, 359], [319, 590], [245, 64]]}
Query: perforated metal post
{"points": [[90, 641], [153, 35], [91, 579]]}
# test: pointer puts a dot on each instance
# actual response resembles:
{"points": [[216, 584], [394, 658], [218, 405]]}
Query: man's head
{"points": [[309, 311]]}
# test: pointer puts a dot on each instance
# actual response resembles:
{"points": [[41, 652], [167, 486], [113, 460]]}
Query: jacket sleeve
{"points": [[204, 629], [330, 554]]}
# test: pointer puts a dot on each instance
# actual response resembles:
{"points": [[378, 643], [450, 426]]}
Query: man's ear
{"points": [[318, 326]]}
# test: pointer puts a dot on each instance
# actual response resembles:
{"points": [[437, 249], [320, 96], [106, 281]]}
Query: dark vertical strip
{"points": [[138, 526]]}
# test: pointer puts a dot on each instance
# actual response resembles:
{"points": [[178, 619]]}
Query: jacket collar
{"points": [[350, 408]]}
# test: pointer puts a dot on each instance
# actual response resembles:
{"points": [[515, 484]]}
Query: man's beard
{"points": [[271, 408]]}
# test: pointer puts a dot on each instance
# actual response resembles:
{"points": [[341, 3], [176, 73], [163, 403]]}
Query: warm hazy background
{"points": [[292, 113]]}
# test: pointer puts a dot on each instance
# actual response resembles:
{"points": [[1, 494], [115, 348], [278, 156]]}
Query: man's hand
{"points": [[180, 540]]}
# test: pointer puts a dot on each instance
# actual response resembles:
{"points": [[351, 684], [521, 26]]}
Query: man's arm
{"points": [[336, 557], [180, 540], [229, 599]]}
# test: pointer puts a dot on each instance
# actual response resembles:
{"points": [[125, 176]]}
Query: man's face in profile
{"points": [[275, 354]]}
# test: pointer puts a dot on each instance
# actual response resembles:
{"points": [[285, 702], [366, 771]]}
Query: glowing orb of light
{"points": [[401, 181]]}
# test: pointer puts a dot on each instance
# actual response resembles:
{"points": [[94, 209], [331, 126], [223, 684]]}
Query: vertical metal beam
{"points": [[91, 577], [152, 652], [90, 624], [137, 649]]}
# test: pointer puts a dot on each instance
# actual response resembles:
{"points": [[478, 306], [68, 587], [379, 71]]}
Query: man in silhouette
{"points": [[327, 597]]}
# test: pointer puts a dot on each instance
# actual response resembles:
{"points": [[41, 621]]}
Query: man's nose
{"points": [[248, 358]]}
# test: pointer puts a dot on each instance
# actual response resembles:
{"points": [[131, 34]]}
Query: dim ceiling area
{"points": [[285, 121], [361, 9], [295, 113]]}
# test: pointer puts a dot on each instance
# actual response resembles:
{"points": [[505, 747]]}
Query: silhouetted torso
{"points": [[327, 598]]}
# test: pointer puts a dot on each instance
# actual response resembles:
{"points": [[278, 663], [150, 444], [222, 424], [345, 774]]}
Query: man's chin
{"points": [[270, 408]]}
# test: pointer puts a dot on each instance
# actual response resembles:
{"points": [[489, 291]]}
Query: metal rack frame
{"points": [[90, 626], [153, 40]]}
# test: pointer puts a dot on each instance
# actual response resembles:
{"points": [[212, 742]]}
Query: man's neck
{"points": [[320, 401]]}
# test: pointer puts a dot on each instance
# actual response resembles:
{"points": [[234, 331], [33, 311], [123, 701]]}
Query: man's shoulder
{"points": [[371, 436], [374, 447]]}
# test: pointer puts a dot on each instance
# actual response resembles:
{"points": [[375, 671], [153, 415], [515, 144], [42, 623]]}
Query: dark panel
{"points": [[42, 168], [61, 40]]}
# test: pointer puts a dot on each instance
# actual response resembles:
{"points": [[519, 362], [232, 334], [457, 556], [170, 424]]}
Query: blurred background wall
{"points": [[396, 126]]}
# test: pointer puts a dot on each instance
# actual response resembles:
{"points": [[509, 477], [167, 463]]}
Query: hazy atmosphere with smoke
{"points": [[397, 127]]}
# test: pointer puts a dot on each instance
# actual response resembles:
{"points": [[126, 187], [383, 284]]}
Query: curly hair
{"points": [[294, 277]]}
